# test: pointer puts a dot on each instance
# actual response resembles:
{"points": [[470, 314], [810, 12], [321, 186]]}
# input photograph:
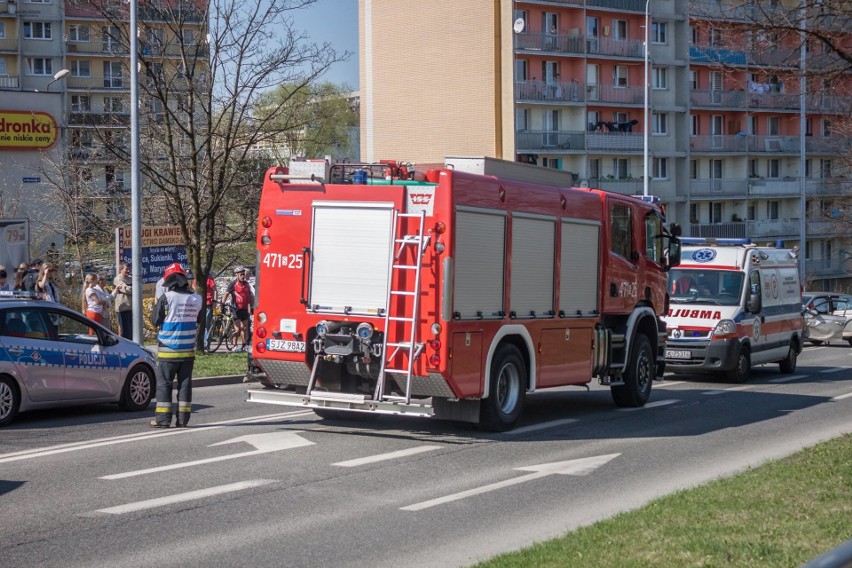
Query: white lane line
{"points": [[182, 497], [667, 383], [834, 370], [542, 426], [732, 389], [75, 446], [787, 379], [651, 405], [387, 456], [842, 396]]}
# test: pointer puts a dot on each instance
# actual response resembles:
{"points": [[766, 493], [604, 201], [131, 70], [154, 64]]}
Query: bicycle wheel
{"points": [[214, 338], [232, 338]]}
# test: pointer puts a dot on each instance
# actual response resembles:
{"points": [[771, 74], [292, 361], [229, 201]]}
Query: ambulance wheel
{"points": [[788, 363], [741, 372], [638, 375], [10, 400], [505, 403], [138, 390]]}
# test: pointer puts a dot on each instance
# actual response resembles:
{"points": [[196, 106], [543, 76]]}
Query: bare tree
{"points": [[204, 68]]}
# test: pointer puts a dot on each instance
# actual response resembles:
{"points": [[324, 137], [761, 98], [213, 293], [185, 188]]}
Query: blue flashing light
{"points": [[712, 241], [650, 198]]}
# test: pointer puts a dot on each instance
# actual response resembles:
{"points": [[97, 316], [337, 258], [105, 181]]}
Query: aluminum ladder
{"points": [[407, 257]]}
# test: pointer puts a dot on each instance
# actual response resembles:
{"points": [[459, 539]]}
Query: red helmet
{"points": [[174, 268]]}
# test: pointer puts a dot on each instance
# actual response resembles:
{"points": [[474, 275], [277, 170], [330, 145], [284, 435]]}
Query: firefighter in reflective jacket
{"points": [[176, 316]]}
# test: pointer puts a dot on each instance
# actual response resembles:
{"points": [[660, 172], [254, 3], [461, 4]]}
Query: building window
{"points": [[693, 169], [772, 210], [77, 32], [825, 169], [693, 213], [81, 68], [826, 127], [552, 163], [2, 66], [188, 36], [715, 212], [660, 78], [594, 168], [753, 169], [773, 168], [661, 168], [39, 66], [521, 73], [807, 168], [693, 80], [2, 30], [620, 117], [619, 29], [620, 169], [773, 125], [809, 126], [715, 37], [113, 105], [660, 123], [38, 1], [659, 32], [693, 35], [522, 117], [696, 125], [619, 75], [81, 103], [37, 30], [752, 212], [717, 169], [622, 231], [112, 75]]}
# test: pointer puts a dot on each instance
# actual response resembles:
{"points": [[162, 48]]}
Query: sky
{"points": [[335, 22]]}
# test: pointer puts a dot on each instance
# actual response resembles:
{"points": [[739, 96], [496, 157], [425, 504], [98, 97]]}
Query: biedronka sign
{"points": [[21, 130]]}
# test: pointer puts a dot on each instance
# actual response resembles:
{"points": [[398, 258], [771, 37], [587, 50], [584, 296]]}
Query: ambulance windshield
{"points": [[718, 287]]}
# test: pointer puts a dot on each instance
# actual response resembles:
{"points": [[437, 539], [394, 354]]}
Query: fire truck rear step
{"points": [[341, 401]]}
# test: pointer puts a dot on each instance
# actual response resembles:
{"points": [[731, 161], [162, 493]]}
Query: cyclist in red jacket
{"points": [[241, 297]]}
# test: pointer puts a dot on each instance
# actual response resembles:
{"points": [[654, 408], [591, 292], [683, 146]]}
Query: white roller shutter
{"points": [[533, 244], [350, 257], [578, 275], [480, 238]]}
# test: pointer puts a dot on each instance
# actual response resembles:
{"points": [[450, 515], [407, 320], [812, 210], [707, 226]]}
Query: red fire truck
{"points": [[454, 291]]}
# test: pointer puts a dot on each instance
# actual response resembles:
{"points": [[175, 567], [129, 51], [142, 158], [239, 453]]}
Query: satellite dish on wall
{"points": [[519, 25]]}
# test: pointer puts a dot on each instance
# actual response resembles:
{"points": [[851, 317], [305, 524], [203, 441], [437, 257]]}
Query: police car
{"points": [[52, 356]]}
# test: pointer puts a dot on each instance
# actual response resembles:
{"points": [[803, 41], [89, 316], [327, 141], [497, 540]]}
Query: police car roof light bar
{"points": [[19, 295]]}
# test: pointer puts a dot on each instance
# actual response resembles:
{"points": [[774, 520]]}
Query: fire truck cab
{"points": [[453, 291]]}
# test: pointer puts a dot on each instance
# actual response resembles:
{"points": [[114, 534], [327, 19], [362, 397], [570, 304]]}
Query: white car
{"points": [[52, 356], [828, 317]]}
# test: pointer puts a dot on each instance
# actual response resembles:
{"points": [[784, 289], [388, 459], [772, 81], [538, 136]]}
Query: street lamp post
{"points": [[647, 125], [135, 201], [61, 74]]}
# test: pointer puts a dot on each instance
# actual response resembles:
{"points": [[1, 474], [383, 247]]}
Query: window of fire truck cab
{"points": [[654, 239], [621, 231]]}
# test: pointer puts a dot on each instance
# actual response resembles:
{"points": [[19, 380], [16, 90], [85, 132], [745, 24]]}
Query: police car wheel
{"points": [[508, 383], [138, 389], [742, 371], [10, 400], [638, 375]]}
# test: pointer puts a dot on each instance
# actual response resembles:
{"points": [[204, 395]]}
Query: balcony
{"points": [[718, 230], [773, 228], [827, 268], [613, 94], [622, 186], [97, 47], [835, 145], [92, 83], [718, 143], [8, 45], [9, 82], [739, 11], [560, 43], [611, 47], [535, 141], [555, 92], [98, 119], [717, 98], [717, 188]]}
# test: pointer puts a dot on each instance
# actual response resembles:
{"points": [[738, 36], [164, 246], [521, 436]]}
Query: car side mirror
{"points": [[110, 340], [674, 253]]}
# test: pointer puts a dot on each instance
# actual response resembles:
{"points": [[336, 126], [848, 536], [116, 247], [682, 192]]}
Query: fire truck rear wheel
{"points": [[638, 375], [508, 383]]}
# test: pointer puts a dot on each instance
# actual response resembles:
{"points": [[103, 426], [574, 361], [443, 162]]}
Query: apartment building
{"points": [[563, 84], [80, 50]]}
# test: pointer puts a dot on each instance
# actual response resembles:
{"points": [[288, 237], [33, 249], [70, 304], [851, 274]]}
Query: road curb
{"points": [[216, 381]]}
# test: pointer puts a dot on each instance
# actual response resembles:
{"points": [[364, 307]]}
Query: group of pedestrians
{"points": [[38, 277]]}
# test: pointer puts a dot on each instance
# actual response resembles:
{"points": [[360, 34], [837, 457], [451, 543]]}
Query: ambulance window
{"points": [[653, 239], [754, 282], [621, 231]]}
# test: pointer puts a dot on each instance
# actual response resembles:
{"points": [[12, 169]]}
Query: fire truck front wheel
{"points": [[638, 375], [505, 403]]}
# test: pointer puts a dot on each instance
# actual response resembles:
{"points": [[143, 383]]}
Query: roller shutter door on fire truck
{"points": [[533, 245], [351, 256], [579, 270], [480, 239]]}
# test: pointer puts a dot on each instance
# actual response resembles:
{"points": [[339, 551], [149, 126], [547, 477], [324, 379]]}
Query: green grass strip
{"points": [[781, 514]]}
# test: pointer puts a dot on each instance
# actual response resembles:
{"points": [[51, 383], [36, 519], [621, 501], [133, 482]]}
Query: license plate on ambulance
{"points": [[678, 354], [285, 345]]}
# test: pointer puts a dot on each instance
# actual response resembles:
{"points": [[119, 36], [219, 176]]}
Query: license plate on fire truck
{"points": [[678, 354], [285, 345]]}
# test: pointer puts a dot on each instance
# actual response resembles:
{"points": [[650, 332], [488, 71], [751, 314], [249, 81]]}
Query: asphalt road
{"points": [[264, 485]]}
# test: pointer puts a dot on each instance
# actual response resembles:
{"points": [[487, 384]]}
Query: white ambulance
{"points": [[733, 305]]}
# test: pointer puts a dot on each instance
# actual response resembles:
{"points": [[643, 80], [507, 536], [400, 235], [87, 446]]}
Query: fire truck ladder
{"points": [[415, 244]]}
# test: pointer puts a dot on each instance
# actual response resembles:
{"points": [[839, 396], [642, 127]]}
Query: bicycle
{"points": [[221, 328]]}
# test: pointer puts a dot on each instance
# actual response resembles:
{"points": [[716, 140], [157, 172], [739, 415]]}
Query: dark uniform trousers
{"points": [[167, 372]]}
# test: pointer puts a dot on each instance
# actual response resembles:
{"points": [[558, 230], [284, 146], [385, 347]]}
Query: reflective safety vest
{"points": [[176, 339]]}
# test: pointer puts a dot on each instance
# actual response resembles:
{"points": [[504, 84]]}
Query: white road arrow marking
{"points": [[389, 456], [182, 497], [583, 466], [263, 443]]}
